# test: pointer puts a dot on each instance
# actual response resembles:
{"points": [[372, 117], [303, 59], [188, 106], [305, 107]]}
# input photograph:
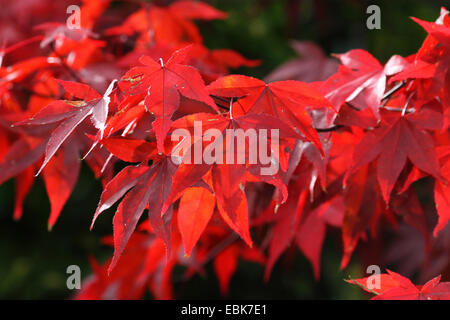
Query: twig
{"points": [[362, 286], [393, 90], [397, 109]]}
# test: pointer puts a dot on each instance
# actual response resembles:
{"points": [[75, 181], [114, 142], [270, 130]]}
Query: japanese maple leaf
{"points": [[143, 185], [360, 73], [312, 64], [23, 156], [296, 221], [172, 24], [419, 69], [163, 83], [311, 231], [18, 161], [362, 209], [398, 138], [211, 64], [286, 100], [440, 29], [393, 286], [23, 153], [71, 114], [285, 223], [140, 266], [227, 179], [442, 191], [60, 174]]}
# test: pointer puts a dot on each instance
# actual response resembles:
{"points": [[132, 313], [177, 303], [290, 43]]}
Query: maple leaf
{"points": [[360, 73], [70, 115], [312, 65], [163, 83], [22, 154], [232, 59], [228, 178], [393, 286], [137, 270], [286, 100], [312, 229], [419, 69], [285, 227], [17, 161], [440, 29], [442, 191], [60, 176], [406, 134], [350, 147], [172, 24], [143, 185]]}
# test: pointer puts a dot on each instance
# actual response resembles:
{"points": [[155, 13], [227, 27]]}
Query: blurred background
{"points": [[33, 261]]}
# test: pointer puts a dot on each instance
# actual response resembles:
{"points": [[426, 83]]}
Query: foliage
{"points": [[356, 141]]}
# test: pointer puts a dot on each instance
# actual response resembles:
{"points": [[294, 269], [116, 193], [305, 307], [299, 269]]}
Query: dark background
{"points": [[33, 260]]}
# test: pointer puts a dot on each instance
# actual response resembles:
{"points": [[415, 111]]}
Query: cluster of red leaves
{"points": [[351, 144]]}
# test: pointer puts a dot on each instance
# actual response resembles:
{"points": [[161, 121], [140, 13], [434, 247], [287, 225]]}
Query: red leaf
{"points": [[393, 286], [286, 100], [407, 136], [130, 150], [164, 82], [194, 212], [225, 265], [60, 176]]}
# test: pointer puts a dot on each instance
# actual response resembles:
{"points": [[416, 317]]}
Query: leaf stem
{"points": [[362, 286], [393, 90]]}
